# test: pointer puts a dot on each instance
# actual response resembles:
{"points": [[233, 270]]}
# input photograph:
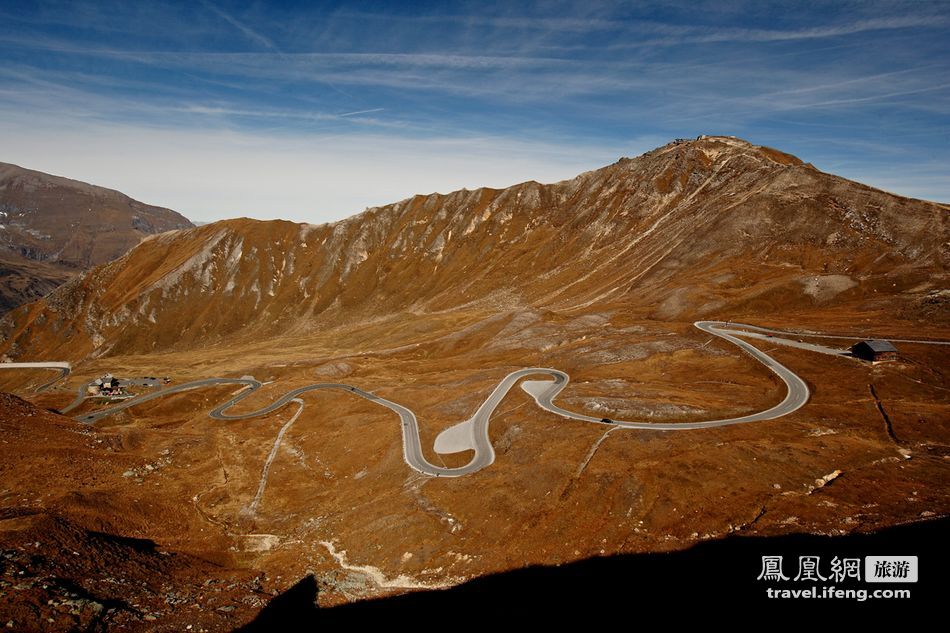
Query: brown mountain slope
{"points": [[65, 565], [53, 227], [431, 301], [708, 228], [23, 279]]}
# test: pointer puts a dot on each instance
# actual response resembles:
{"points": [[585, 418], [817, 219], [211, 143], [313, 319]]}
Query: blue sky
{"points": [[312, 111]]}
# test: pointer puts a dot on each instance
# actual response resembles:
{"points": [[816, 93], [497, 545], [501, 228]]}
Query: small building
{"points": [[874, 350], [109, 385]]}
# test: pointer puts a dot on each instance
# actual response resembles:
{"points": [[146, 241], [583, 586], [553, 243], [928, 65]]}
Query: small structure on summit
{"points": [[874, 350]]}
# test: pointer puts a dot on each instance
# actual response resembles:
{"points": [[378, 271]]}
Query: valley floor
{"points": [[869, 450]]}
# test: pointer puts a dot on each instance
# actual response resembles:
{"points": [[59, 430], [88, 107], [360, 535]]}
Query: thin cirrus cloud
{"points": [[524, 79], [240, 26], [380, 105], [670, 34]]}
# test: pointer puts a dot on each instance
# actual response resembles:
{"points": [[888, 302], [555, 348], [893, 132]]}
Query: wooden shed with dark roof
{"points": [[874, 350]]}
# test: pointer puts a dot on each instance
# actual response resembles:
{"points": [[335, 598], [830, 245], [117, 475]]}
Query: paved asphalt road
{"points": [[62, 368], [543, 392]]}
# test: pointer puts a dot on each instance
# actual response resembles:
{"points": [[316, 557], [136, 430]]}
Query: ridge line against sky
{"points": [[220, 109]]}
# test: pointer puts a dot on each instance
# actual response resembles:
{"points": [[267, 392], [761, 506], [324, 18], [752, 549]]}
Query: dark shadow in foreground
{"points": [[713, 574]]}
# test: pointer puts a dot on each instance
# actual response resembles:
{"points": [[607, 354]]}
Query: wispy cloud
{"points": [[359, 112], [585, 24], [55, 97], [669, 34], [821, 77], [251, 34]]}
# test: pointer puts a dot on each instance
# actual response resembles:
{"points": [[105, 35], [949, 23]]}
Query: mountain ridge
{"points": [[637, 232]]}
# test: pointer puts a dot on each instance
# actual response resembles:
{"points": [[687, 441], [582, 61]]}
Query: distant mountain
{"points": [[52, 228], [707, 228]]}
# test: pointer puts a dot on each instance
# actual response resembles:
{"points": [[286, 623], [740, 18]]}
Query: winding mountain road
{"points": [[473, 433], [62, 368]]}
